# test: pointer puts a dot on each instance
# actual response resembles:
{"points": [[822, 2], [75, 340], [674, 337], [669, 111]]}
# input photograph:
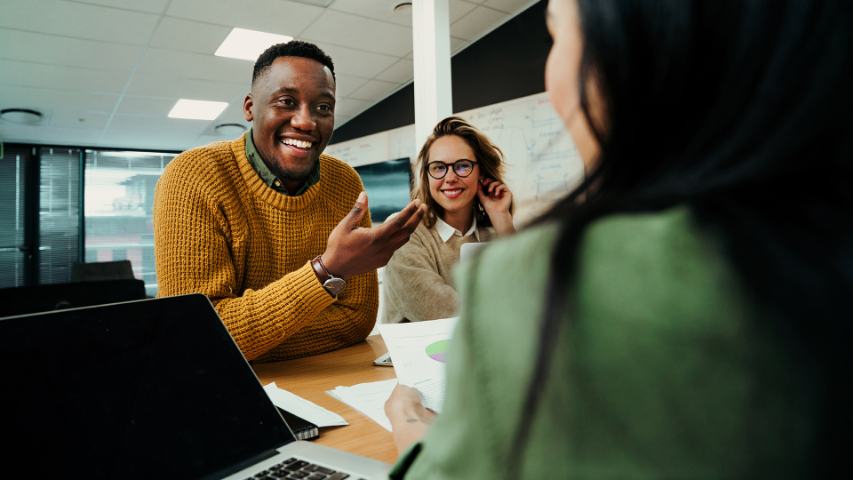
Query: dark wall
{"points": [[507, 63]]}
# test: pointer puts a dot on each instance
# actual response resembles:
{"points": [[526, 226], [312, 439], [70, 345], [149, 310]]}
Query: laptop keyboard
{"points": [[295, 469]]}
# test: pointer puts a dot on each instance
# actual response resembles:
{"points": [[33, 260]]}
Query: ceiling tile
{"points": [[340, 120], [384, 10], [475, 24], [361, 33], [350, 107], [139, 140], [457, 44], [194, 65], [376, 9], [459, 9], [509, 6], [319, 3], [155, 107], [232, 114], [38, 75], [163, 86], [48, 135], [154, 132], [178, 34], [164, 125], [36, 47], [272, 16], [356, 62], [150, 6], [401, 72], [43, 99], [374, 90], [345, 85], [87, 21], [79, 119]]}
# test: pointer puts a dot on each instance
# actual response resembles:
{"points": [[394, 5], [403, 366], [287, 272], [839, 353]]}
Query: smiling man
{"points": [[276, 233]]}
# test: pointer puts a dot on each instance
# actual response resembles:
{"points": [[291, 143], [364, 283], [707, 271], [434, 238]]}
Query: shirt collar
{"points": [[445, 231], [270, 178]]}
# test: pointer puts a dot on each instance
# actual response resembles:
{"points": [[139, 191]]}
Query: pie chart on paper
{"points": [[438, 350]]}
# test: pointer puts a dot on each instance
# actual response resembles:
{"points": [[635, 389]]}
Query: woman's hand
{"points": [[496, 199], [410, 420]]}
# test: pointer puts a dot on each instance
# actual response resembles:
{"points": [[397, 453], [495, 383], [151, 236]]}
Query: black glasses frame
{"points": [[455, 166]]}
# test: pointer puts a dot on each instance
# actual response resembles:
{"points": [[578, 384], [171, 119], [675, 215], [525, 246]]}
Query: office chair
{"points": [[116, 270], [57, 296]]}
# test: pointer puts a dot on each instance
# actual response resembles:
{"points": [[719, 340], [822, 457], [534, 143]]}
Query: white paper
{"points": [[303, 408], [418, 350], [368, 398]]}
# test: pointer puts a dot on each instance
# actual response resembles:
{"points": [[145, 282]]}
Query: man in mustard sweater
{"points": [[276, 233]]}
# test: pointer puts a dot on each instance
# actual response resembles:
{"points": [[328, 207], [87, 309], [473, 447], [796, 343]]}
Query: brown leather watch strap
{"points": [[334, 285], [319, 269]]}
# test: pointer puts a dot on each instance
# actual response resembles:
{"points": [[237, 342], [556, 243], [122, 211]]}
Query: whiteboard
{"points": [[542, 164]]}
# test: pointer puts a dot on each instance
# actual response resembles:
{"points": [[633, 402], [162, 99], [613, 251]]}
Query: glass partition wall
{"points": [[119, 197], [60, 206]]}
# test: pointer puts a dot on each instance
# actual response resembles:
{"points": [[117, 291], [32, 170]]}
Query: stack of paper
{"points": [[367, 398], [303, 408], [419, 350]]}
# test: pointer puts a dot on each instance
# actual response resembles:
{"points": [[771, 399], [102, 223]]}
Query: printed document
{"points": [[367, 398], [301, 407], [419, 353]]}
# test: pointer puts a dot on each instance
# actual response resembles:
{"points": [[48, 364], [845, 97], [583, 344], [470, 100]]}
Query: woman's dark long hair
{"points": [[743, 111]]}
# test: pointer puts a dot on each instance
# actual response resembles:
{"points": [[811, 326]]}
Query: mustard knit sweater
{"points": [[219, 230]]}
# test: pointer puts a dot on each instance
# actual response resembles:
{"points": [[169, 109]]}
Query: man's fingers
{"points": [[403, 216], [357, 213], [410, 226], [400, 220]]}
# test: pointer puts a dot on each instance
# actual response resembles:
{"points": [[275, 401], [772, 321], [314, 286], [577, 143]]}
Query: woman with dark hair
{"points": [[686, 311], [460, 180]]}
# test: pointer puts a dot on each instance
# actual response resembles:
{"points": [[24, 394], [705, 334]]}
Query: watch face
{"points": [[335, 285]]}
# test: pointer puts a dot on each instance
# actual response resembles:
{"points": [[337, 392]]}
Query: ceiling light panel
{"points": [[197, 109], [246, 44]]}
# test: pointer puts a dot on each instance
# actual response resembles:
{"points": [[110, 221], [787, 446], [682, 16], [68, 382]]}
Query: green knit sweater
{"points": [[661, 370]]}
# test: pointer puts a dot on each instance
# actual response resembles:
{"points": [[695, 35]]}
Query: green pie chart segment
{"points": [[438, 350]]}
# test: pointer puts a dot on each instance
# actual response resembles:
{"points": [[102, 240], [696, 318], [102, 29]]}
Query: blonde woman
{"points": [[460, 180]]}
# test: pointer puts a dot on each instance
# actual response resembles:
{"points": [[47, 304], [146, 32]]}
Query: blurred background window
{"points": [[119, 197]]}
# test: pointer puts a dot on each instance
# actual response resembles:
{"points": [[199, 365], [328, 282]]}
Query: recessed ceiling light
{"points": [[23, 116], [229, 129], [248, 44], [402, 7], [197, 109]]}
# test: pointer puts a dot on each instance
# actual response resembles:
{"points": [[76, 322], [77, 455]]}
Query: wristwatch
{"points": [[334, 285]]}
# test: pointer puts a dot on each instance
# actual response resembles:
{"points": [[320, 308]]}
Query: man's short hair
{"points": [[293, 48]]}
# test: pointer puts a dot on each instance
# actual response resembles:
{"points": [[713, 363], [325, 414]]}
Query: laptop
{"points": [[146, 389], [56, 296]]}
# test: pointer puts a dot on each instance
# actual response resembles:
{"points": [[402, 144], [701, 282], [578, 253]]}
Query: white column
{"points": [[431, 40]]}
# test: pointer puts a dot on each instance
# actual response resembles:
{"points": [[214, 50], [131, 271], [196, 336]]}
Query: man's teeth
{"points": [[296, 143]]}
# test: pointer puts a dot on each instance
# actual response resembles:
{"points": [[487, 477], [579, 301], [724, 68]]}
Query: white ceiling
{"points": [[107, 72]]}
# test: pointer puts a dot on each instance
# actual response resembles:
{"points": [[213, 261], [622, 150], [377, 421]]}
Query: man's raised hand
{"points": [[352, 249]]}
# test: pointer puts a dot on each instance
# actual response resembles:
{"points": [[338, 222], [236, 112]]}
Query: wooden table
{"points": [[310, 378]]}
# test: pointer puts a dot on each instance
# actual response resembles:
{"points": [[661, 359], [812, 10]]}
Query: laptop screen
{"points": [[146, 389]]}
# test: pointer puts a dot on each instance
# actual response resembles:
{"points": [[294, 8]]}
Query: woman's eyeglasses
{"points": [[462, 168]]}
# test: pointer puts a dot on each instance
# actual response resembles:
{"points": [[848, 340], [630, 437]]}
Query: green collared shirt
{"points": [[269, 177]]}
